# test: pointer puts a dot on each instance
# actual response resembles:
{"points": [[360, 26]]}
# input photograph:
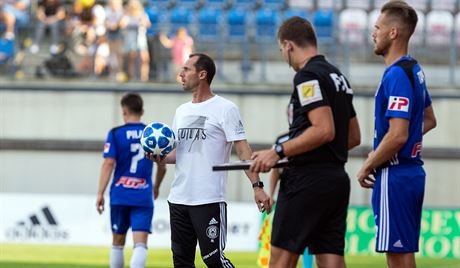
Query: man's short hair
{"points": [[298, 30], [205, 63], [133, 102], [403, 14]]}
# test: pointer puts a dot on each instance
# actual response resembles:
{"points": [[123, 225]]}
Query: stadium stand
{"points": [[361, 4], [352, 26], [330, 4], [7, 53], [266, 24], [301, 4], [439, 27], [244, 4], [457, 28], [447, 5], [222, 4], [157, 20], [417, 38], [291, 12], [193, 4], [180, 17], [323, 21], [274, 4], [160, 4]]}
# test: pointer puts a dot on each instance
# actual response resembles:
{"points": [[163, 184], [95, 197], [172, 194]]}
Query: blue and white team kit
{"points": [[131, 191], [399, 188]]}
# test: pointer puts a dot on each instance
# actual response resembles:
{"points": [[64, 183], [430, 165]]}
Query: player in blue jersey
{"points": [[403, 114], [131, 191]]}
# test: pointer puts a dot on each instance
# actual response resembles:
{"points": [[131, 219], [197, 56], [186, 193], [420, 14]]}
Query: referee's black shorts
{"points": [[315, 215]]}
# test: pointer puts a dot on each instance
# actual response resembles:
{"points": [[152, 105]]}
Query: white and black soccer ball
{"points": [[158, 139]]}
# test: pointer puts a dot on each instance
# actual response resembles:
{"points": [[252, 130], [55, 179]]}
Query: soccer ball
{"points": [[158, 139]]}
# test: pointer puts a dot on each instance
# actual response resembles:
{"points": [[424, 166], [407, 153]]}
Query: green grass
{"points": [[44, 256]]}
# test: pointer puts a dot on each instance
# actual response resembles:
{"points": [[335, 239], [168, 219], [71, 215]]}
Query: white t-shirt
{"points": [[205, 133]]}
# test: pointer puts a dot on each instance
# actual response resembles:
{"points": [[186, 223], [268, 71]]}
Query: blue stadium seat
{"points": [[157, 19], [160, 4], [216, 3], [7, 52], [209, 24], [180, 17], [291, 12], [187, 3], [244, 4], [237, 19], [323, 21], [274, 4], [266, 24]]}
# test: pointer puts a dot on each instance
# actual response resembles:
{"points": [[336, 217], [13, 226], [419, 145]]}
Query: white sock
{"points": [[117, 259], [139, 256]]}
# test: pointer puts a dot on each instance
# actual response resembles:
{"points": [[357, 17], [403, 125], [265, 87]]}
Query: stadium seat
{"points": [[160, 4], [301, 4], [244, 4], [221, 4], [7, 53], [273, 4], [457, 28], [180, 17], [439, 27], [237, 20], [352, 26], [323, 21], [361, 4], [188, 3], [209, 24], [447, 5], [266, 23], [330, 4], [419, 33], [291, 12], [157, 19]]}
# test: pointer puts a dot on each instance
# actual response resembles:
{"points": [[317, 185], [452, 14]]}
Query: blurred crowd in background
{"points": [[149, 40]]}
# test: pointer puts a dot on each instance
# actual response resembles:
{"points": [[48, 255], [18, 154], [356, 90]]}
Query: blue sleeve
{"points": [[399, 92], [110, 149]]}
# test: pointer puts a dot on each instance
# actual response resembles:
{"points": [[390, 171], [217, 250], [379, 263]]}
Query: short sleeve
{"points": [[309, 91], [400, 94], [109, 146], [233, 126]]}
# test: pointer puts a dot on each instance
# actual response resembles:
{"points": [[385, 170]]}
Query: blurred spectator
{"points": [[114, 13], [135, 22], [8, 21], [19, 9], [50, 13], [181, 46], [78, 24], [99, 49]]}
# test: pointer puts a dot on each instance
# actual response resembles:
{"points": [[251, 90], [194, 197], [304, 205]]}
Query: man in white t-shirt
{"points": [[206, 127]]}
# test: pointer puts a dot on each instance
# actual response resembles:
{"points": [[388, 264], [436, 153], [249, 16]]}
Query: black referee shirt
{"points": [[317, 84]]}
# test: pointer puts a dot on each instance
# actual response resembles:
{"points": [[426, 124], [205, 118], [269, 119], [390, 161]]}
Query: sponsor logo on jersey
{"points": [[398, 244], [309, 92], [397, 103], [132, 183], [106, 147], [40, 226], [421, 77], [416, 150], [239, 129]]}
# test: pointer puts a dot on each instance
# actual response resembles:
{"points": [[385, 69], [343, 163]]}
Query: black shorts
{"points": [[206, 224], [314, 216]]}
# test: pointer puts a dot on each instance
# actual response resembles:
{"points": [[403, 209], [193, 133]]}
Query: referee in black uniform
{"points": [[314, 188]]}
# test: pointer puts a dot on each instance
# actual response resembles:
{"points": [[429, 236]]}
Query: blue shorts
{"points": [[397, 201], [123, 217]]}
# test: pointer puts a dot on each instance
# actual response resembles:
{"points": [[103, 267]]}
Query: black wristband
{"points": [[259, 184], [280, 151]]}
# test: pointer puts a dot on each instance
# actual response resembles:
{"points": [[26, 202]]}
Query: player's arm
{"points": [[392, 142], [244, 152], [104, 178], [159, 176], [429, 119], [354, 133]]}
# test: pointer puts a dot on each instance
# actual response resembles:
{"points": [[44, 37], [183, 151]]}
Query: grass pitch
{"points": [[45, 256]]}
